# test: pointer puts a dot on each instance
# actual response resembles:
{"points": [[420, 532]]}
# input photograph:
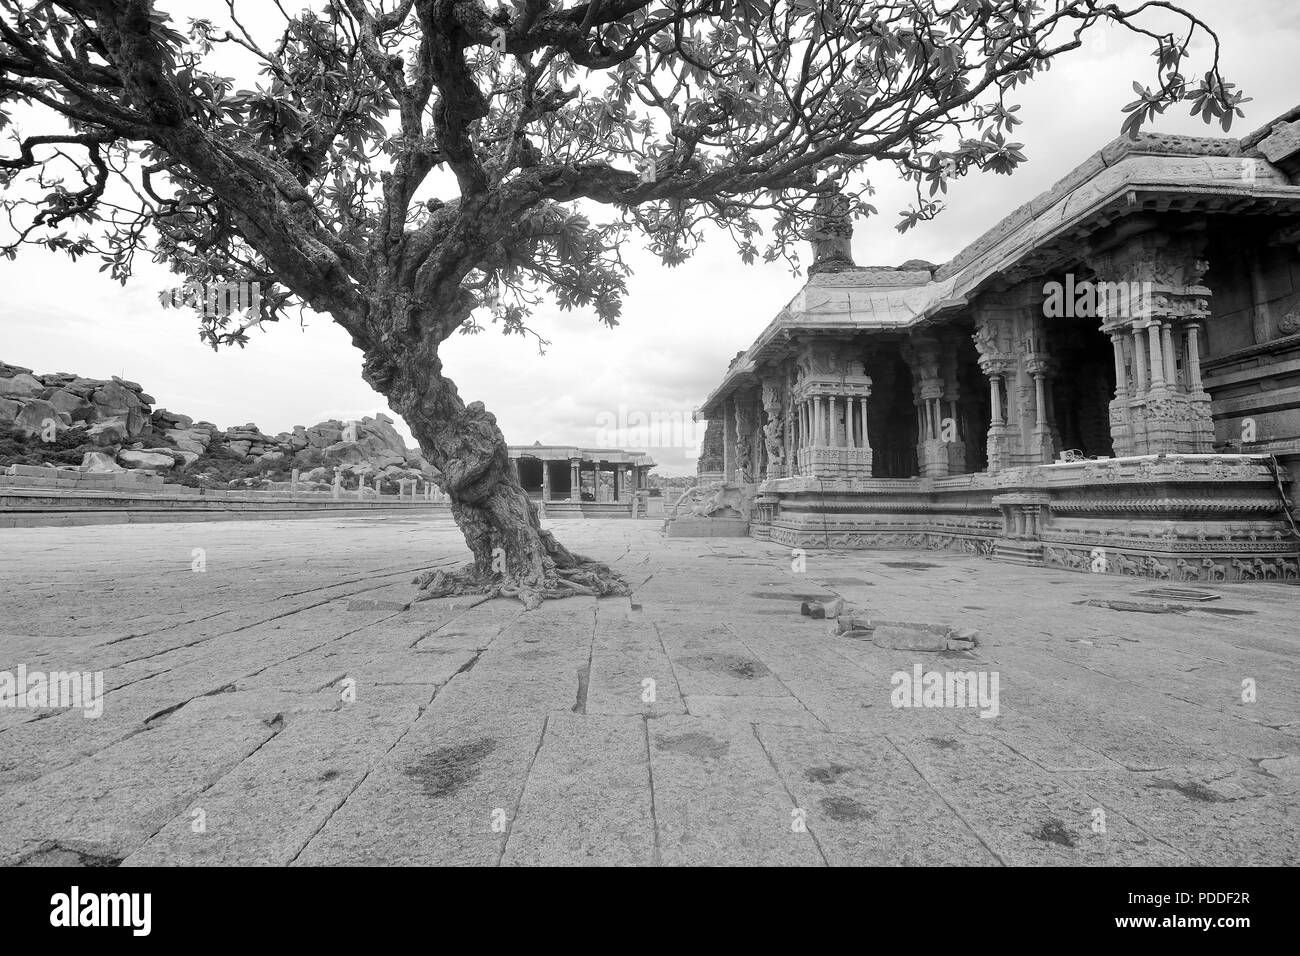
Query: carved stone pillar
{"points": [[1161, 272], [546, 480], [575, 479], [1261, 320], [775, 429], [827, 376], [1007, 332], [746, 430], [1140, 362], [728, 440], [1157, 357], [1121, 366], [1194, 383], [951, 430], [1045, 438], [922, 353], [1171, 356]]}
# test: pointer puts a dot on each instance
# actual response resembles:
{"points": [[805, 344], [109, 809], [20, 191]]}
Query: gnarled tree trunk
{"points": [[512, 554]]}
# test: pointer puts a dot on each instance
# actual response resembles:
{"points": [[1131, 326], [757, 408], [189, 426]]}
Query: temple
{"points": [[584, 482], [1108, 380]]}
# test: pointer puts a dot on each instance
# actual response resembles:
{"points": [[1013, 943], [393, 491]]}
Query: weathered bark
{"points": [[512, 555]]}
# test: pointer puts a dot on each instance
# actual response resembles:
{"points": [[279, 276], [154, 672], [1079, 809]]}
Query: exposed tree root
{"points": [[578, 575]]}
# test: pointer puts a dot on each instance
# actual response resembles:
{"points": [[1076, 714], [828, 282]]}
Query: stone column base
{"points": [[1015, 551]]}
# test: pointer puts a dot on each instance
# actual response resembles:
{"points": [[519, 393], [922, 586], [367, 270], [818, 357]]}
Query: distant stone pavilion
{"points": [[1108, 380], [577, 482]]}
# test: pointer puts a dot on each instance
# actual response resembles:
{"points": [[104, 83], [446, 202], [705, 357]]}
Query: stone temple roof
{"points": [[1153, 173], [613, 456]]}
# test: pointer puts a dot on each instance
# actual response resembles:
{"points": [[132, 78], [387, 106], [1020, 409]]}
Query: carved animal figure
{"points": [[1263, 570], [1127, 566], [1286, 569], [1158, 569], [1244, 570], [1215, 571], [702, 501], [1187, 572]]}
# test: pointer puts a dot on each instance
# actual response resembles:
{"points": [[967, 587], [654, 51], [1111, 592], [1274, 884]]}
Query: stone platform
{"points": [[24, 508], [291, 700], [32, 497], [1171, 517], [687, 526]]}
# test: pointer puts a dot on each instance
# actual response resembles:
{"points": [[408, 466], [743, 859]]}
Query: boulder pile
{"points": [[113, 423]]}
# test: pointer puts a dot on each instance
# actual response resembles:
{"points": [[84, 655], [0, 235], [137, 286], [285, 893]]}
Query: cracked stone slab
{"points": [[867, 804], [267, 808], [588, 799], [786, 711], [378, 659], [114, 800], [1027, 816], [1212, 814], [718, 799], [443, 796], [625, 656], [708, 660]]}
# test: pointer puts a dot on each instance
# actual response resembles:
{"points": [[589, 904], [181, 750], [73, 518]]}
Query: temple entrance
{"points": [[891, 414], [1083, 386], [530, 475], [561, 480]]}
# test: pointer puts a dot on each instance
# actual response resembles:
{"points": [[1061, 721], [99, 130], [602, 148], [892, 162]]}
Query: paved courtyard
{"points": [[284, 705]]}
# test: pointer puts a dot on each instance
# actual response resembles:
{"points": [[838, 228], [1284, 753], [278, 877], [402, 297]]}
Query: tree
{"points": [[322, 181]]}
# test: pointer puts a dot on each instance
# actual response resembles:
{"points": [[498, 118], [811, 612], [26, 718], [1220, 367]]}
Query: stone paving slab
{"points": [[868, 804], [266, 810], [276, 676], [445, 795], [631, 672], [718, 798], [588, 798]]}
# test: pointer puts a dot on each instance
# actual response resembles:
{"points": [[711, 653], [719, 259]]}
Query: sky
{"points": [[680, 327]]}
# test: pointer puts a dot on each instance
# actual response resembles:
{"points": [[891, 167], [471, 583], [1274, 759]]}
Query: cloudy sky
{"points": [[680, 327]]}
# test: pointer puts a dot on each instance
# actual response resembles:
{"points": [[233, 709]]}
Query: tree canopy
{"points": [[399, 165]]}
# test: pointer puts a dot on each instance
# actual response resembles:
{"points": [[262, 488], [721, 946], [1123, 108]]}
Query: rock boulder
{"points": [[38, 415], [22, 386], [98, 463], [153, 459]]}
